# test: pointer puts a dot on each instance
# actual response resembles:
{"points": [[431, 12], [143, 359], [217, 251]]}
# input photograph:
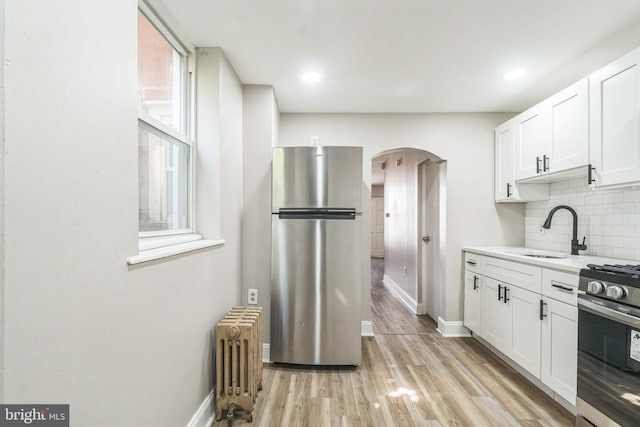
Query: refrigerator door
{"points": [[316, 291], [316, 177]]}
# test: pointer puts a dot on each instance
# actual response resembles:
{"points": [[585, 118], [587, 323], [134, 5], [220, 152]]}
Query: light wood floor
{"points": [[410, 376]]}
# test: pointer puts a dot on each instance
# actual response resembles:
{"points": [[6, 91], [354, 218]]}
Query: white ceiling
{"points": [[411, 55]]}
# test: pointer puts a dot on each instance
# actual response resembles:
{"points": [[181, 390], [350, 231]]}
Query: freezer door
{"points": [[316, 177], [316, 290]]}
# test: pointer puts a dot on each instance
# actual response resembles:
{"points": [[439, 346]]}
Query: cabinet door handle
{"points": [[542, 315], [545, 163], [470, 262], [500, 292], [564, 288], [590, 178], [506, 298], [475, 282], [508, 194], [537, 164]]}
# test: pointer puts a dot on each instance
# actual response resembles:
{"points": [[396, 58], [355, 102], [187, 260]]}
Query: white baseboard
{"points": [[452, 329], [366, 328], [205, 415], [266, 353], [404, 297]]}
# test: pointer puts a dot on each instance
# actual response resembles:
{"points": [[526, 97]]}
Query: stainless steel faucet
{"points": [[575, 245]]}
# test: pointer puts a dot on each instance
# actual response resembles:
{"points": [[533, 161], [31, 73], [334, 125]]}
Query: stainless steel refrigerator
{"points": [[316, 255]]}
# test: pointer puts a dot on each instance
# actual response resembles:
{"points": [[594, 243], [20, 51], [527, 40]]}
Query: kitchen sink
{"points": [[545, 256], [540, 254]]}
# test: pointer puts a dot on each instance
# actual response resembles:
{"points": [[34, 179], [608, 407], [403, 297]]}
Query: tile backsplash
{"points": [[610, 220]]}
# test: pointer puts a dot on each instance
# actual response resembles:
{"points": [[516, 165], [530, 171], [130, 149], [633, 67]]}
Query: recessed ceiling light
{"points": [[311, 77], [513, 75]]}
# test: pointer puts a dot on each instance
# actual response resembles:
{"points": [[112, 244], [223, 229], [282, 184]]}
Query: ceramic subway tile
{"points": [[632, 242], [603, 209], [610, 219], [559, 185], [624, 208], [585, 211], [602, 230], [613, 241], [595, 199], [631, 196], [605, 252], [623, 230], [624, 253], [631, 219], [578, 182], [614, 219], [576, 201], [613, 197]]}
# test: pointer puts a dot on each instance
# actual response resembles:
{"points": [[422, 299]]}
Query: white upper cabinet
{"points": [[504, 182], [530, 136], [553, 136], [615, 122], [505, 185], [568, 140]]}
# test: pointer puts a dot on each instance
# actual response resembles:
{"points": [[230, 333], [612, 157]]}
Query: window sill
{"points": [[168, 251]]}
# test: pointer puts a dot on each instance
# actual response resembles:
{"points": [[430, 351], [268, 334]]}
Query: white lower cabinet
{"points": [[559, 344], [534, 324], [472, 301], [510, 322], [495, 325], [525, 324]]}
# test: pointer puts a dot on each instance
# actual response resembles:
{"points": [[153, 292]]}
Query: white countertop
{"points": [[568, 263]]}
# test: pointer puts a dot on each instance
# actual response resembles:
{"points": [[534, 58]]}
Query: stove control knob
{"points": [[615, 292], [595, 287]]}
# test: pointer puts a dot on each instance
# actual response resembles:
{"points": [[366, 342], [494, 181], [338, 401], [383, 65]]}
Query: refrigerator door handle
{"points": [[316, 213]]}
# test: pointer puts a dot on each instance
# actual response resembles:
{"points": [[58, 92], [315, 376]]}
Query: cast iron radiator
{"points": [[238, 361]]}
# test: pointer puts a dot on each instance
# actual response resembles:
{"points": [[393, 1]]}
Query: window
{"points": [[165, 148]]}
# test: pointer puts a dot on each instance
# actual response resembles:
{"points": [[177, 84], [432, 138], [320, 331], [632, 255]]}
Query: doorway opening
{"points": [[407, 240]]}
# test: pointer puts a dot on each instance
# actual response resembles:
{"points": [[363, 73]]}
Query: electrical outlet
{"points": [[405, 271], [252, 296]]}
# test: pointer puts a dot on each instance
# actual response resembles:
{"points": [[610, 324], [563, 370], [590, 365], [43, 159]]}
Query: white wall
{"points": [[465, 141], [2, 169], [261, 116], [401, 226], [123, 346], [610, 220]]}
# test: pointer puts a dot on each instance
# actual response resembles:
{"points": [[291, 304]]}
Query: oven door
{"points": [[608, 364]]}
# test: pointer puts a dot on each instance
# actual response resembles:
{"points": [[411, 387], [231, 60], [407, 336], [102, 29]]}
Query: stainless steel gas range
{"points": [[609, 346]]}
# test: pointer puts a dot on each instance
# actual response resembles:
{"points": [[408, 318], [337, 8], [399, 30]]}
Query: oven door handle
{"points": [[608, 313]]}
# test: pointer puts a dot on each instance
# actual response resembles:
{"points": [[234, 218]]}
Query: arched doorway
{"points": [[407, 240]]}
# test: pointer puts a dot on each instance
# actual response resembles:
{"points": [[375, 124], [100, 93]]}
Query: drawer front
{"points": [[560, 286], [522, 275], [473, 262]]}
